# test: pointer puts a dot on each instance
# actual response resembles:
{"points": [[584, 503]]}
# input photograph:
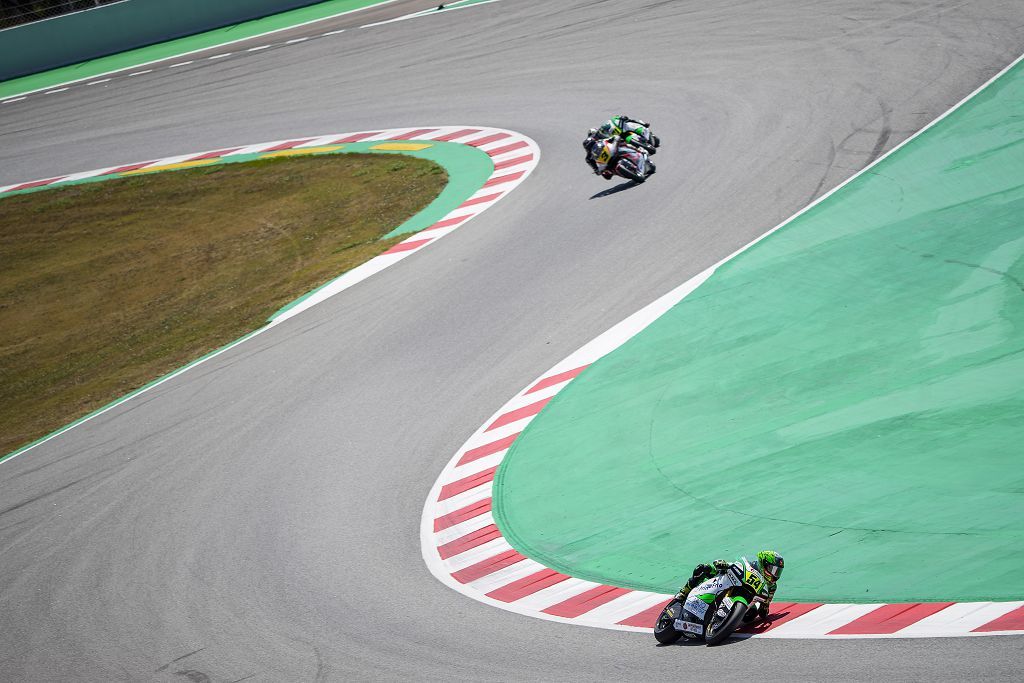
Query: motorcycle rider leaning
{"points": [[632, 131], [592, 145], [768, 562]]}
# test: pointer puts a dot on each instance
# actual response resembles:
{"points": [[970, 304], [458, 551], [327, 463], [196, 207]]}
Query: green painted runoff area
{"points": [[849, 392], [180, 46]]}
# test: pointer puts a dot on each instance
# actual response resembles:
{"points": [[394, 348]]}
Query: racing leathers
{"points": [[589, 146], [632, 132]]}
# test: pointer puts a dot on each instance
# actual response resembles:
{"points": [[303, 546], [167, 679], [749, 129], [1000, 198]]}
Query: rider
{"points": [[594, 143], [632, 131], [768, 562]]}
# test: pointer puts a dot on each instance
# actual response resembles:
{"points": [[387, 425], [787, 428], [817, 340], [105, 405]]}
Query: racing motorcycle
{"points": [[716, 607], [613, 157]]}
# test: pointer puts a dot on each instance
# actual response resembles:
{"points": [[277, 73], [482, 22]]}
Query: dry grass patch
{"points": [[106, 286]]}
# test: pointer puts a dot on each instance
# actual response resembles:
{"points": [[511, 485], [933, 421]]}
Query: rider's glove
{"points": [[720, 566], [700, 571]]}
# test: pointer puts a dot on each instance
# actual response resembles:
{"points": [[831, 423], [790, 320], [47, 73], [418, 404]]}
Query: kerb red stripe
{"points": [[288, 145], [556, 379], [890, 618], [486, 139], [527, 586], [586, 601], [214, 155], [414, 133], [449, 222], [457, 134], [355, 138], [467, 483], [781, 613], [487, 449], [125, 169], [407, 246], [488, 566], [518, 414], [468, 542], [479, 200], [646, 618], [507, 148], [1011, 621], [37, 183], [504, 179], [462, 514], [513, 162]]}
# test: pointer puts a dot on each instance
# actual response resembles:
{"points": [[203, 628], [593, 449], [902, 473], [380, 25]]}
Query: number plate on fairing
{"points": [[691, 627], [696, 606]]}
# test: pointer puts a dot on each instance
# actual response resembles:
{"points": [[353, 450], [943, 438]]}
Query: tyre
{"points": [[655, 140], [627, 170], [721, 628], [664, 629]]}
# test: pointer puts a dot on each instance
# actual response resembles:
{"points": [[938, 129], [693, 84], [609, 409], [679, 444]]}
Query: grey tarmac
{"points": [[258, 515]]}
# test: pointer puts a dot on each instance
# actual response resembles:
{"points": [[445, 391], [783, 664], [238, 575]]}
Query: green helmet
{"points": [[771, 564]]}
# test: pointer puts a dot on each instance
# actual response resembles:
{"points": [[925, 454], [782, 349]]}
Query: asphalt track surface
{"points": [[258, 516]]}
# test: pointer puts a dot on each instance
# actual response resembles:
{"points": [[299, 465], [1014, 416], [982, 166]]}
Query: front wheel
{"points": [[628, 171], [721, 628], [664, 629]]}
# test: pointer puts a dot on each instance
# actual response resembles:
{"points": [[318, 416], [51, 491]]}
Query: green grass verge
{"points": [[108, 285]]}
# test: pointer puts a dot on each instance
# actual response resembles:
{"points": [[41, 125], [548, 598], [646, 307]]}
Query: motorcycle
{"points": [[616, 158], [714, 609]]}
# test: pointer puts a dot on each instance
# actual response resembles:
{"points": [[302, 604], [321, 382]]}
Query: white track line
{"points": [[230, 42]]}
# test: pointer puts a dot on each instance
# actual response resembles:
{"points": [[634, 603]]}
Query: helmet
{"points": [[771, 564]]}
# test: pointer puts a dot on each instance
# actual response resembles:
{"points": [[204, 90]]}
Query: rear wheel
{"points": [[721, 627], [664, 629], [627, 170]]}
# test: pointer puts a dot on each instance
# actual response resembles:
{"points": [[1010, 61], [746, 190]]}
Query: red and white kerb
{"points": [[464, 548]]}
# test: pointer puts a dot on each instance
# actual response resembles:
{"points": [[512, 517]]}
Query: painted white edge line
{"points": [[335, 286], [211, 47], [601, 346], [426, 13]]}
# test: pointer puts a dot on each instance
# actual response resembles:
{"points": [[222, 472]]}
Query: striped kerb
{"points": [[890, 618], [487, 449], [527, 585], [469, 541], [467, 483], [461, 515], [488, 566], [585, 601], [1012, 621]]}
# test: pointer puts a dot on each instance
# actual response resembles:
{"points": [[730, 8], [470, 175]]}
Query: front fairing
{"points": [[704, 594]]}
